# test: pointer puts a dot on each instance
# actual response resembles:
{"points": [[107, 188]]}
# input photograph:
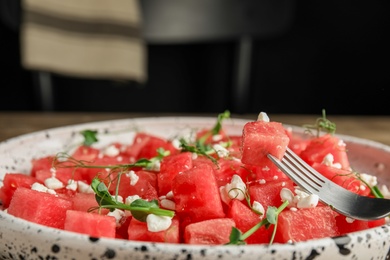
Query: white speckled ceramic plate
{"points": [[20, 239]]}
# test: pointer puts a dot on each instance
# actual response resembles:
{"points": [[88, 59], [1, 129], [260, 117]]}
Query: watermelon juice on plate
{"points": [[183, 187]]}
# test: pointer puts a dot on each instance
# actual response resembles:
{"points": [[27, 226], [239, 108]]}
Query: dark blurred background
{"points": [[331, 55]]}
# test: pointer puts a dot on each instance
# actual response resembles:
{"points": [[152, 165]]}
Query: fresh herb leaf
{"points": [[237, 238], [89, 137], [322, 124], [139, 208], [198, 148], [217, 127]]}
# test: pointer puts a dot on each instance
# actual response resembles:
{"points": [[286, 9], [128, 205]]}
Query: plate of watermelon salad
{"points": [[185, 188]]}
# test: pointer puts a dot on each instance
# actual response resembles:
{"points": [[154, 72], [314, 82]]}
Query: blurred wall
{"points": [[335, 56]]}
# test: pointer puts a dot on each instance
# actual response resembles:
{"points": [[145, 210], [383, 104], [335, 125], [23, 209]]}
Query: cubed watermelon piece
{"points": [[170, 166], [196, 194], [94, 225], [86, 202], [39, 207], [11, 182], [351, 225], [209, 232], [139, 231], [319, 147], [245, 219], [145, 186], [345, 178], [268, 194], [145, 146], [43, 163], [305, 224], [261, 138]]}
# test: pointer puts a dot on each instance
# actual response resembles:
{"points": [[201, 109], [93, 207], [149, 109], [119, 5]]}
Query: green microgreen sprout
{"points": [[322, 124], [200, 146], [90, 137], [238, 238], [375, 191], [217, 127], [139, 208]]}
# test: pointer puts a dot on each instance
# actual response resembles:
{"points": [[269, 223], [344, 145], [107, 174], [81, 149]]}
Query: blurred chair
{"points": [[199, 21], [196, 21]]}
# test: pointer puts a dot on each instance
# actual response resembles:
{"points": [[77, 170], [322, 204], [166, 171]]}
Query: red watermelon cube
{"points": [[95, 225], [39, 207], [245, 219], [170, 166], [139, 231], [261, 138], [305, 224], [209, 232], [11, 182], [196, 194]]}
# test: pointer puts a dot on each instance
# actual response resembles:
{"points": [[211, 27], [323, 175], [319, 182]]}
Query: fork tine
{"points": [[298, 173]]}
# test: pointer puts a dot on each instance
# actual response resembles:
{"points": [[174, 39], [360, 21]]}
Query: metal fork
{"points": [[341, 200]]}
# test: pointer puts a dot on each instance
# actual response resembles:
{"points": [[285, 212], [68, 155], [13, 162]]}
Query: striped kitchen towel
{"points": [[98, 39]]}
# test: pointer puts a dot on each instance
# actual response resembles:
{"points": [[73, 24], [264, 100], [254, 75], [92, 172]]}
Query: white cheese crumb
{"points": [[310, 201], [371, 180], [259, 208], [220, 150], [329, 161], [72, 185], [111, 151], [168, 204], [349, 220], [42, 188], [236, 188], [117, 214], [132, 198], [216, 138], [169, 195], [133, 177], [117, 198], [53, 183], [158, 223], [263, 117], [83, 187]]}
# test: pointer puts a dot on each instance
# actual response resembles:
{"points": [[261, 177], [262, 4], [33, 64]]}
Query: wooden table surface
{"points": [[376, 128]]}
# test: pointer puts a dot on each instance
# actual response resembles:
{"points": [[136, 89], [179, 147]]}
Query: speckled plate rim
{"points": [[373, 243]]}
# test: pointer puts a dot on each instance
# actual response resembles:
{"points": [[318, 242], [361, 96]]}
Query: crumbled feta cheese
{"points": [[169, 195], [42, 188], [300, 200], [259, 208], [236, 188], [221, 151], [53, 183], [72, 185], [117, 214], [287, 195], [118, 198], [133, 177], [158, 223], [371, 180], [176, 143], [310, 201], [168, 204], [263, 117], [216, 138], [132, 198], [349, 220], [111, 151], [328, 161], [83, 187]]}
